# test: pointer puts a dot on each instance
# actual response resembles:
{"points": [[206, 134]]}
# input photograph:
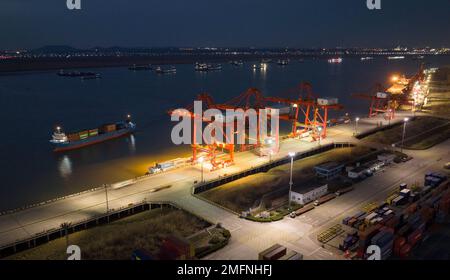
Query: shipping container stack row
{"points": [[399, 224], [278, 252]]}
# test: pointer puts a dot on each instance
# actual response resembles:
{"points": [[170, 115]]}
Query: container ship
{"points": [[72, 74], [62, 141], [335, 60], [135, 67]]}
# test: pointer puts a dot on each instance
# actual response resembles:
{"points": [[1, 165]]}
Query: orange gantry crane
{"points": [[252, 98], [309, 114], [208, 151], [381, 102]]}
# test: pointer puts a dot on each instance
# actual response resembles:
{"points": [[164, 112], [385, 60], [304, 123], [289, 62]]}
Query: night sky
{"points": [[224, 23]]}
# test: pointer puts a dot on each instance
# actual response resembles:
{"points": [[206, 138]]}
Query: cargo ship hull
{"points": [[61, 147], [66, 142]]}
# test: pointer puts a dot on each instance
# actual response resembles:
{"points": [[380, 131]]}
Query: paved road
{"points": [[248, 238]]}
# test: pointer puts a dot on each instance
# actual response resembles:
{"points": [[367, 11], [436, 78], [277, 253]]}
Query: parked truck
{"points": [[324, 199], [164, 166], [342, 191], [302, 210]]}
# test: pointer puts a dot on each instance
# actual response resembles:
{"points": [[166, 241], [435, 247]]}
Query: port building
{"points": [[308, 192], [328, 169]]}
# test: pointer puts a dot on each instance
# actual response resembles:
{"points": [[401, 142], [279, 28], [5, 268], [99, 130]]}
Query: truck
{"points": [[370, 217], [164, 166], [342, 191], [324, 199], [302, 210]]}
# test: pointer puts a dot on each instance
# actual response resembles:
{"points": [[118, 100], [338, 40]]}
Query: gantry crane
{"points": [[208, 150], [252, 98], [381, 102], [309, 112]]}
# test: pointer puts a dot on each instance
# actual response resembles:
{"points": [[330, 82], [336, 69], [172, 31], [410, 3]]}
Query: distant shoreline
{"points": [[47, 64]]}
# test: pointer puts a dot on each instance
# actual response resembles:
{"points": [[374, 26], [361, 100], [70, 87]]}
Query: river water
{"points": [[33, 103]]}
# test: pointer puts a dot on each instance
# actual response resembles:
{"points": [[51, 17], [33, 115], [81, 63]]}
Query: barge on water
{"points": [[71, 141]]}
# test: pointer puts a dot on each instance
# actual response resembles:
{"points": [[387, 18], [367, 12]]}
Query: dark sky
{"points": [[229, 23]]}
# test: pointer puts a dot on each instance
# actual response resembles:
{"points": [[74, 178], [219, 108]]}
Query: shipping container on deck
{"points": [[93, 132], [73, 137], [83, 134]]}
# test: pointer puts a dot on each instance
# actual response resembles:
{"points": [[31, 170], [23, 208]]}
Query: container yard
{"points": [[400, 222]]}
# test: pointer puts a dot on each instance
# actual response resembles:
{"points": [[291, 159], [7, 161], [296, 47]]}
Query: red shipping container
{"points": [[412, 208], [387, 229], [405, 250], [398, 244], [414, 237]]}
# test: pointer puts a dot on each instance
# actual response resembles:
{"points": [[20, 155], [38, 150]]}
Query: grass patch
{"points": [[210, 240], [415, 138], [117, 240], [245, 193]]}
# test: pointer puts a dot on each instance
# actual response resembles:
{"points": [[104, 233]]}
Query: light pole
{"points": [[106, 195], [405, 120], [320, 133], [201, 160], [356, 126], [291, 155]]}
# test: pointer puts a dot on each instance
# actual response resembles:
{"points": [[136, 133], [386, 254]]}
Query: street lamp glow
{"points": [[291, 154], [404, 132], [200, 160], [357, 119]]}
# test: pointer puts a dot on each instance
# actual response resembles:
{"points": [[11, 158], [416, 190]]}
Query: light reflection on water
{"points": [[65, 167], [132, 144]]}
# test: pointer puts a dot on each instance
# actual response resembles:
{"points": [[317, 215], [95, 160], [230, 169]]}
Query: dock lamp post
{"points": [[106, 196], [356, 126], [291, 155], [405, 120], [320, 133], [201, 160]]}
